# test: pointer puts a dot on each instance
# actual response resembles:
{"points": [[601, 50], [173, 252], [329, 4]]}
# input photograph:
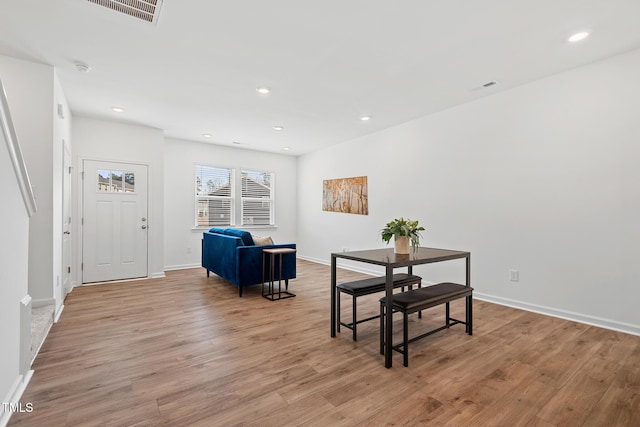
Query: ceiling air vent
{"points": [[145, 10]]}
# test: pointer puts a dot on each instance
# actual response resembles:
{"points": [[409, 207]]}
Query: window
{"points": [[216, 202], [214, 196], [257, 198], [111, 181]]}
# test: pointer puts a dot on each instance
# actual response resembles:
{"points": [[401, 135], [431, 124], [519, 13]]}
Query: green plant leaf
{"points": [[401, 227]]}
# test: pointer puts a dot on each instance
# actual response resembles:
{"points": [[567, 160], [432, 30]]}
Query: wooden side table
{"points": [[270, 255]]}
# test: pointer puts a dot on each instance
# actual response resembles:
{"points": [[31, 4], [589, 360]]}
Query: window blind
{"points": [[214, 196], [257, 197]]}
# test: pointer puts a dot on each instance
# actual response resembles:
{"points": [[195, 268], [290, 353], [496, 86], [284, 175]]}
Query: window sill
{"points": [[241, 227]]}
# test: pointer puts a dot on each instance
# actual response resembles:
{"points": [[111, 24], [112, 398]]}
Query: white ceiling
{"points": [[328, 62]]}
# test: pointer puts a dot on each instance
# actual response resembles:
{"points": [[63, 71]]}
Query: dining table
{"points": [[390, 260]]}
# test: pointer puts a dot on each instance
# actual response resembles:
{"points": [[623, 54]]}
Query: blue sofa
{"points": [[231, 254]]}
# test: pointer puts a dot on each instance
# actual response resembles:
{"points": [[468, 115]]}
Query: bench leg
{"points": [[405, 337], [447, 316], [207, 273], [338, 309], [355, 335], [420, 312], [382, 329], [286, 283], [469, 316]]}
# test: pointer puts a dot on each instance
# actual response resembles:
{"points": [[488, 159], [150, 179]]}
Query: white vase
{"points": [[402, 244]]}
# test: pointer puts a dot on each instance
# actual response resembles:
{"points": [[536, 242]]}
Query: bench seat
{"points": [[369, 286], [421, 299]]}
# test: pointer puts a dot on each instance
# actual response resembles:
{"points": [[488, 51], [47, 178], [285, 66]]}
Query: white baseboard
{"points": [[158, 275], [562, 314], [43, 302], [181, 267], [316, 260], [56, 316], [357, 269], [14, 395], [70, 288]]}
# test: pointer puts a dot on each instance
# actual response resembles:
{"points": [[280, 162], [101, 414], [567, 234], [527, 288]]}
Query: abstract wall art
{"points": [[347, 195]]}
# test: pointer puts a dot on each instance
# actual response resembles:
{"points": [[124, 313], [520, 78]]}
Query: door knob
{"points": [[144, 227], [67, 232]]}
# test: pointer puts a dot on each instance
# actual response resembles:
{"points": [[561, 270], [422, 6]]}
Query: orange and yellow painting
{"points": [[348, 195]]}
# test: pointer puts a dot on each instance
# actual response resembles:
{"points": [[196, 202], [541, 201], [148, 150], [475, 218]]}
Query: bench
{"points": [[372, 285], [421, 299]]}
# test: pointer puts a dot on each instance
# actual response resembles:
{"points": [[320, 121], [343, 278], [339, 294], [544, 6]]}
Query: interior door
{"points": [[66, 223], [115, 223]]}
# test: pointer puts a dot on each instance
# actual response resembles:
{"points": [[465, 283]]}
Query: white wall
{"points": [[182, 240], [29, 88], [542, 178], [14, 263], [14, 273], [61, 135]]}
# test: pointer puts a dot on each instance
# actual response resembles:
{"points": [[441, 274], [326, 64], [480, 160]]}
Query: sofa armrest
{"points": [[219, 255], [250, 263]]}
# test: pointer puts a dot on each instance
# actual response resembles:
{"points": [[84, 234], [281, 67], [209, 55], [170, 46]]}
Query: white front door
{"points": [[115, 223]]}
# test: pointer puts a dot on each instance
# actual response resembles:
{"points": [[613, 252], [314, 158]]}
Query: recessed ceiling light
{"points": [[365, 118], [578, 36], [278, 127], [117, 109], [286, 148], [235, 142], [263, 90], [206, 135]]}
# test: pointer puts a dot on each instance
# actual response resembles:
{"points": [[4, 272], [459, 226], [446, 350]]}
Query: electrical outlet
{"points": [[188, 250], [514, 275]]}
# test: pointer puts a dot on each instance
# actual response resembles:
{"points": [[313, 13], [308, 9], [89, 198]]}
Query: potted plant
{"points": [[403, 231]]}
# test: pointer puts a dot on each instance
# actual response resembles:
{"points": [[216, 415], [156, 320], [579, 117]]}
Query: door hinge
{"points": [[81, 221], [82, 175], [69, 269], [69, 170], [82, 266]]}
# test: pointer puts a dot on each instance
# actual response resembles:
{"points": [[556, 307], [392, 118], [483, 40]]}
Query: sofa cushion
{"points": [[261, 241], [247, 240], [216, 230]]}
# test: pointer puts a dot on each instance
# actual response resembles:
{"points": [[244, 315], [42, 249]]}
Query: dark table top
{"points": [[387, 256]]}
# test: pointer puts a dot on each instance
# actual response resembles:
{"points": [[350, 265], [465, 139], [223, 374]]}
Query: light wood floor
{"points": [[186, 350]]}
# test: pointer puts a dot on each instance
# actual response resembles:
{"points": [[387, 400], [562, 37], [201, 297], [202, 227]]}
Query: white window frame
{"points": [[270, 199], [200, 197]]}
